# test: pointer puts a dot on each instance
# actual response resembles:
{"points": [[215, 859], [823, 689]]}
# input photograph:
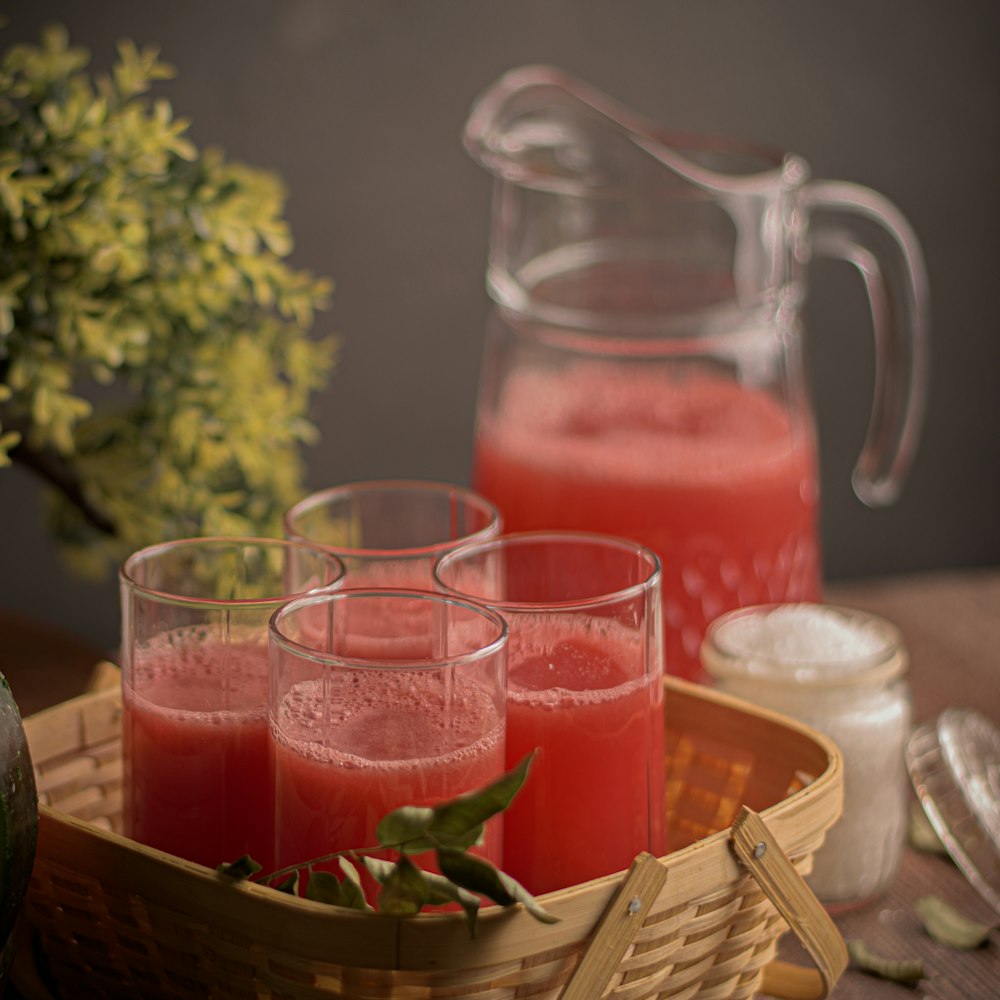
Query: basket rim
{"points": [[441, 940]]}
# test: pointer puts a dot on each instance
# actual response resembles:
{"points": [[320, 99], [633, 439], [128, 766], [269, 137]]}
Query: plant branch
{"points": [[356, 852], [54, 470]]}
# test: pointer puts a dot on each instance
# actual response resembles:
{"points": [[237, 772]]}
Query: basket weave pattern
{"points": [[115, 919]]}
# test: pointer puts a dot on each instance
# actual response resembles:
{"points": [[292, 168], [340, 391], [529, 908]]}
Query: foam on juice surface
{"points": [[568, 659], [183, 673], [653, 427], [367, 718]]}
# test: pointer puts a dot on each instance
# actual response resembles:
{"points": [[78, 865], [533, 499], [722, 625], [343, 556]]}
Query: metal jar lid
{"points": [[954, 763]]}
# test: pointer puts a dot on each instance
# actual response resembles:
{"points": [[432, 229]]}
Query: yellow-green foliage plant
{"points": [[155, 359]]}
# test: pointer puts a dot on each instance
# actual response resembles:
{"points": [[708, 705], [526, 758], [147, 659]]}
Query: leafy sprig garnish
{"points": [[448, 830]]}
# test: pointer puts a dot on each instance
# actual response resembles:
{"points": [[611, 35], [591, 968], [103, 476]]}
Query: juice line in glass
{"points": [[380, 699], [195, 684], [585, 690]]}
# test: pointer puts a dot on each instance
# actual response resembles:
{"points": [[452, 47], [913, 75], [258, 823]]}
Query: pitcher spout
{"points": [[538, 125]]}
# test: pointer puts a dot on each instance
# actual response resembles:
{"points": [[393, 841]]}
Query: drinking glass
{"points": [[380, 699], [388, 533], [194, 683], [585, 689]]}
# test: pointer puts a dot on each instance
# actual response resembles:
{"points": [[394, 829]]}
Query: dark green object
{"points": [[242, 868], [18, 820]]}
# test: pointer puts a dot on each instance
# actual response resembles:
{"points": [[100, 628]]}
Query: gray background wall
{"points": [[360, 105]]}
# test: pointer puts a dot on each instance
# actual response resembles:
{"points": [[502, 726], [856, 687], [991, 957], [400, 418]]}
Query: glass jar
{"points": [[841, 671]]}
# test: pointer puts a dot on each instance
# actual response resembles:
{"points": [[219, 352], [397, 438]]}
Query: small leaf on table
{"points": [[949, 927], [898, 971]]}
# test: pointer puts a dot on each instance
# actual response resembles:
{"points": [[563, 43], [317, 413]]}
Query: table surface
{"points": [[951, 626], [950, 622]]}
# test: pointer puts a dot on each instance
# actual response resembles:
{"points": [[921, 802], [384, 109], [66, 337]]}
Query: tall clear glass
{"points": [[585, 689], [379, 699], [389, 533], [195, 684]]}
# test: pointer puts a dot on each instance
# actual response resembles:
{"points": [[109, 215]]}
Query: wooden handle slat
{"points": [[616, 929], [794, 900]]}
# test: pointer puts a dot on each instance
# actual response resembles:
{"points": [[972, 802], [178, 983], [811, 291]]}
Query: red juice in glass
{"points": [[709, 474], [195, 684], [595, 726], [584, 690], [387, 748], [196, 752], [380, 699]]}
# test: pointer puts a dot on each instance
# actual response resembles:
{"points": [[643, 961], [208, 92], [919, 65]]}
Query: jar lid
{"points": [[954, 763], [803, 644]]}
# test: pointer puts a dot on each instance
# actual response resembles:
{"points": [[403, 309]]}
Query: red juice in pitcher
{"points": [[712, 475]]}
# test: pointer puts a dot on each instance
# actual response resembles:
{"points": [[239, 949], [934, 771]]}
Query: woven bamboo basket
{"points": [[110, 918]]}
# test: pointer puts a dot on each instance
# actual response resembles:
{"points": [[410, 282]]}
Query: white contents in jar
{"points": [[839, 671], [795, 640]]}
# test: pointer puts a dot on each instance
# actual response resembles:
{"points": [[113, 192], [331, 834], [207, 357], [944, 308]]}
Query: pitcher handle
{"points": [[895, 277]]}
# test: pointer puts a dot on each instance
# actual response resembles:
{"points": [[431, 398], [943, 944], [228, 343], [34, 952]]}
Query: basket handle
{"points": [[616, 929], [756, 847]]}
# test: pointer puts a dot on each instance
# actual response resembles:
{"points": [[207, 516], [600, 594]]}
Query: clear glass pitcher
{"points": [[643, 371]]}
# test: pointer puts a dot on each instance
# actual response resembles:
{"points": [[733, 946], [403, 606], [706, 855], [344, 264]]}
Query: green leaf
{"points": [[351, 886], [325, 887], [378, 868], [457, 838], [449, 829], [478, 875], [241, 868], [404, 890], [407, 825], [949, 927], [459, 822], [441, 891], [863, 958], [290, 884]]}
